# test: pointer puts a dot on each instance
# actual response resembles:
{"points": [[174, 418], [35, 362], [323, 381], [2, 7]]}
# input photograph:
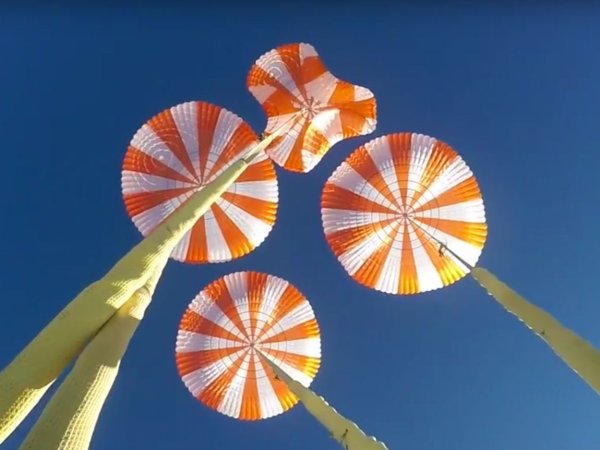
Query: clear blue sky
{"points": [[516, 90]]}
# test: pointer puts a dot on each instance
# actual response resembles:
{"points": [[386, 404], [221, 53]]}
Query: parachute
{"points": [[179, 152], [249, 346], [227, 332], [312, 107], [394, 206]]}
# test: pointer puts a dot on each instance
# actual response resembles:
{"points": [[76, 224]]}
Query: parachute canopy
{"points": [[399, 209], [314, 108], [227, 332], [177, 153]]}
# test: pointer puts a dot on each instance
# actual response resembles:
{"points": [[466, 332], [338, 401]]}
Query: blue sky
{"points": [[513, 89]]}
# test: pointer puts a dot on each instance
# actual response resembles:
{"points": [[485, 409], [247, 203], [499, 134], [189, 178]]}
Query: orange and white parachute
{"points": [[227, 332], [307, 106], [399, 209], [177, 153]]}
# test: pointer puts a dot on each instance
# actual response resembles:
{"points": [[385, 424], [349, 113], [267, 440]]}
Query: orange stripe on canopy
{"points": [[336, 197], [215, 392], [142, 201], [165, 127], [219, 293], [250, 408], [191, 361], [192, 321], [138, 161], [206, 122]]}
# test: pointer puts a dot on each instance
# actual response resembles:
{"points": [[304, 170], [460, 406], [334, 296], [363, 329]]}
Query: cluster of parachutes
{"points": [[391, 213], [403, 214]]}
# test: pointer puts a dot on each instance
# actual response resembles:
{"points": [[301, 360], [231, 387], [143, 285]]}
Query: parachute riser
{"points": [[264, 143], [344, 431]]}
